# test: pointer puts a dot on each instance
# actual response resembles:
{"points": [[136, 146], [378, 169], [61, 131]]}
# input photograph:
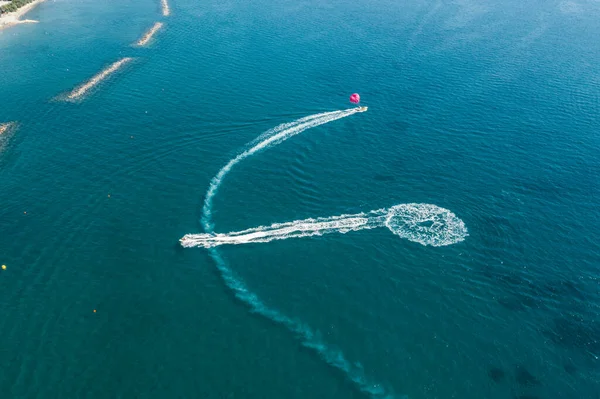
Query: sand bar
{"points": [[148, 35], [165, 8], [12, 18], [84, 88]]}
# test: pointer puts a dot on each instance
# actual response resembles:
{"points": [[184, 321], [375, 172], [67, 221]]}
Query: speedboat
{"points": [[362, 109]]}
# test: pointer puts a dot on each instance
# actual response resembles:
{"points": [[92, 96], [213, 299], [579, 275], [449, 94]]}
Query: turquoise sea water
{"points": [[489, 109]]}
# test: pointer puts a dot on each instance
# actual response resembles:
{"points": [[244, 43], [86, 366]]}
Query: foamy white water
{"points": [[426, 224]]}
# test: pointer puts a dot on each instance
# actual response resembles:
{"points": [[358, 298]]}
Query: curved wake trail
{"points": [[268, 139], [309, 338]]}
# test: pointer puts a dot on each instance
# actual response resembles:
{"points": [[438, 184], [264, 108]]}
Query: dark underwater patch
{"points": [[563, 288], [540, 186], [495, 229], [570, 368], [575, 332], [512, 279], [518, 302], [529, 301], [525, 378], [524, 294], [399, 126], [384, 178], [496, 374], [511, 303], [507, 278]]}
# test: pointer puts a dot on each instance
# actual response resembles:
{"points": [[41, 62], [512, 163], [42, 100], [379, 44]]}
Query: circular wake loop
{"points": [[423, 223], [426, 224]]}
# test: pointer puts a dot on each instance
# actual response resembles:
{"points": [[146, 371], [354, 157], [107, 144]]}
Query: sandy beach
{"points": [[13, 18], [148, 35], [81, 90], [165, 8]]}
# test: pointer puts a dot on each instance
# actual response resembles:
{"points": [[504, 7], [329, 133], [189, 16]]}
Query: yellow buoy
{"points": [[94, 310], [3, 267]]}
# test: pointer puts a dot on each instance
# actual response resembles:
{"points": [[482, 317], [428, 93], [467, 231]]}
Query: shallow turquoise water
{"points": [[489, 110]]}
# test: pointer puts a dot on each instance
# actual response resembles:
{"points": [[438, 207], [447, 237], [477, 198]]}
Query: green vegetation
{"points": [[14, 6]]}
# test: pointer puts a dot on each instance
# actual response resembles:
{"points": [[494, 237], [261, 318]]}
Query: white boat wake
{"points": [[423, 223], [408, 221], [268, 139]]}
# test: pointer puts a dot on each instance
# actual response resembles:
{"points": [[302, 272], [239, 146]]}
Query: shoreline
{"points": [[165, 8], [96, 79], [149, 34], [12, 18]]}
